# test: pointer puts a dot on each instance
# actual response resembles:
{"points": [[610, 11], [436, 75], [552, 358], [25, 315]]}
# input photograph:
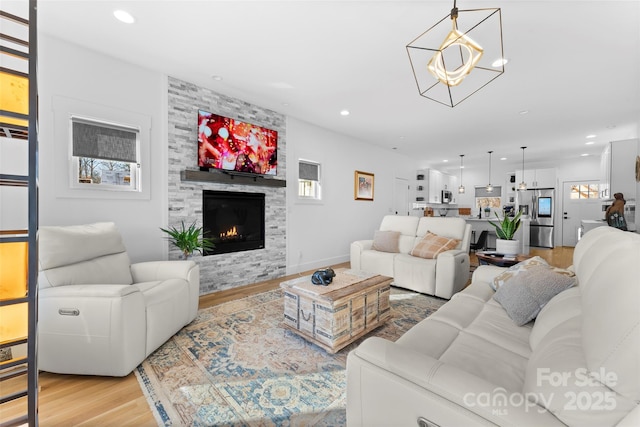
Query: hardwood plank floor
{"points": [[75, 400]]}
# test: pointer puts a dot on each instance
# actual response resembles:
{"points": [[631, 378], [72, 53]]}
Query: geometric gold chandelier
{"points": [[459, 55]]}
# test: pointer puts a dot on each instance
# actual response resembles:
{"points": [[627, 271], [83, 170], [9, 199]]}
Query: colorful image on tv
{"points": [[224, 143]]}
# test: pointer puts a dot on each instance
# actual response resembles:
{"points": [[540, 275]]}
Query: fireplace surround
{"points": [[235, 220]]}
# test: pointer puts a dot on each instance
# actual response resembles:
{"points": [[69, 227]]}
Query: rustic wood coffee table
{"points": [[334, 316]]}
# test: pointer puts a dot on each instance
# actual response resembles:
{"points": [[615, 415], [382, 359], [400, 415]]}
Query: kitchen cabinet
{"points": [[537, 178], [617, 166], [435, 186], [429, 184]]}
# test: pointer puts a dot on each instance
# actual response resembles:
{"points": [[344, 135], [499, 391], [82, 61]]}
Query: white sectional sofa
{"points": [[98, 313], [443, 276], [577, 364]]}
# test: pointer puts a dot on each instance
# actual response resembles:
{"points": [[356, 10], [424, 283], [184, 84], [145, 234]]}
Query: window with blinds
{"points": [[105, 155], [309, 180]]}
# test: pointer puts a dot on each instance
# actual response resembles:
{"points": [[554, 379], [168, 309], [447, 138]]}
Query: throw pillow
{"points": [[524, 295], [386, 241], [514, 270], [433, 245]]}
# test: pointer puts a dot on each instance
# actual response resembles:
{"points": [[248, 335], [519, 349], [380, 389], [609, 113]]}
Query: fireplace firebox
{"points": [[234, 220]]}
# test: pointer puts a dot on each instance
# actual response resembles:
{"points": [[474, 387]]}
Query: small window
{"points": [[309, 180], [105, 155], [585, 191]]}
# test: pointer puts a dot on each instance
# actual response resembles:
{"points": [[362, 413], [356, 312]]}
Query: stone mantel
{"points": [[231, 178]]}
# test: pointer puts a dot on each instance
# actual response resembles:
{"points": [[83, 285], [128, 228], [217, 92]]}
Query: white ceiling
{"points": [[574, 66]]}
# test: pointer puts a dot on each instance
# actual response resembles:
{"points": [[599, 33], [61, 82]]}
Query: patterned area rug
{"points": [[235, 365]]}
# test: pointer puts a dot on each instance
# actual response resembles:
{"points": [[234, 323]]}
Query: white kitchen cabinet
{"points": [[537, 178], [618, 169], [435, 186]]}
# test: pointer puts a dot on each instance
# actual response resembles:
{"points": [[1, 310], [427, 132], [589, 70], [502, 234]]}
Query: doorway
{"points": [[401, 197], [580, 200]]}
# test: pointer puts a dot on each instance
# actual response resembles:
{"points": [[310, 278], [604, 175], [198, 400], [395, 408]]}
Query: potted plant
{"points": [[505, 230], [487, 211], [189, 239]]}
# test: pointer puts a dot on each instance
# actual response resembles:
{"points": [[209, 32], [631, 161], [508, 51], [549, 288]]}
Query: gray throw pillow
{"points": [[386, 241], [524, 295]]}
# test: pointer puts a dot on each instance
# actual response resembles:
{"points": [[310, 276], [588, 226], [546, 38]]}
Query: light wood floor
{"points": [[73, 400]]}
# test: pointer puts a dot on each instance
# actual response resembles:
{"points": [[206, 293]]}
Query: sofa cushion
{"points": [[433, 245], [561, 308], [386, 241], [514, 270], [524, 295]]}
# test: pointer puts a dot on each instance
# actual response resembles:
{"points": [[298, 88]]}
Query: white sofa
{"points": [[469, 364], [98, 314], [443, 276]]}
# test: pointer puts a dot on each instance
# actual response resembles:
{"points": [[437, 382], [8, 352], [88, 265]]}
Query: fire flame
{"points": [[230, 233]]}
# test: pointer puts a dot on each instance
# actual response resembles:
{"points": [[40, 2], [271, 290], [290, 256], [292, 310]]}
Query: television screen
{"points": [[228, 144]]}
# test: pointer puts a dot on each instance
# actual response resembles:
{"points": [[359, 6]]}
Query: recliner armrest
{"points": [[356, 250], [452, 272], [163, 270]]}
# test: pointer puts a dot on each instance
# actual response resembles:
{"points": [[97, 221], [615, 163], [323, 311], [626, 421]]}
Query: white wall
{"points": [[66, 71], [319, 234]]}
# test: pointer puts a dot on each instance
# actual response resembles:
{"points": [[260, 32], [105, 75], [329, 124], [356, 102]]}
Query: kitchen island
{"points": [[480, 224]]}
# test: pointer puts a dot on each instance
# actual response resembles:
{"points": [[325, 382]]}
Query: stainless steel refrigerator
{"points": [[539, 204]]}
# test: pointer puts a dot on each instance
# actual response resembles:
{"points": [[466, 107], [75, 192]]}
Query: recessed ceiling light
{"points": [[217, 78], [584, 154], [499, 62], [445, 161], [503, 158], [523, 112], [344, 113], [589, 143], [591, 136], [124, 16]]}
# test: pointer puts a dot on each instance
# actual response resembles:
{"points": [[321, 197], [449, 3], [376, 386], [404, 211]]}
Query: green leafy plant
{"points": [[189, 239], [507, 226]]}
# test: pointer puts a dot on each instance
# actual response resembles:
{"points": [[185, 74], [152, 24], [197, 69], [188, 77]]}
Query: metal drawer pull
{"points": [[307, 318], [69, 312]]}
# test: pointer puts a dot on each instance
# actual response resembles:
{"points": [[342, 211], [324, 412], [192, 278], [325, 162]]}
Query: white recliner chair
{"points": [[98, 313]]}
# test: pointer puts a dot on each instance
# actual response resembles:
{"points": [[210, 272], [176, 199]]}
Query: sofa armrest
{"points": [[356, 250], [388, 384], [486, 273], [162, 270], [452, 272]]}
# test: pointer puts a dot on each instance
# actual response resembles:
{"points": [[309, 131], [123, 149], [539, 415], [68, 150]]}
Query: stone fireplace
{"points": [[187, 184], [235, 220]]}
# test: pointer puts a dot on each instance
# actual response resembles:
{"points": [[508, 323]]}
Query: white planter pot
{"points": [[508, 247]]}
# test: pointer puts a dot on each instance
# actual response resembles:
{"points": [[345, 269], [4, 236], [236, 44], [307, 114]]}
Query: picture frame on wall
{"points": [[363, 186]]}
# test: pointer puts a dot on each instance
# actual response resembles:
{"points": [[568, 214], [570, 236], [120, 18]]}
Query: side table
{"points": [[493, 258]]}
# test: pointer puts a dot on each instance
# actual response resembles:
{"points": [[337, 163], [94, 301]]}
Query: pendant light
{"points": [[461, 188], [489, 187], [523, 185]]}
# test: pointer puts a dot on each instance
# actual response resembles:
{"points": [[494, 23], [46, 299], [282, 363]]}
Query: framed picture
{"points": [[363, 186]]}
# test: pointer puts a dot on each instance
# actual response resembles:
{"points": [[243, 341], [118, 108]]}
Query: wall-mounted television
{"points": [[232, 145]]}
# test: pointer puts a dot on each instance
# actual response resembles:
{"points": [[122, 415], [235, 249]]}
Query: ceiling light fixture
{"points": [[489, 187], [523, 185], [344, 113], [461, 188], [449, 52], [124, 16]]}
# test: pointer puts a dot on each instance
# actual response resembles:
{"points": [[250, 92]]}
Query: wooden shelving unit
{"points": [[19, 245]]}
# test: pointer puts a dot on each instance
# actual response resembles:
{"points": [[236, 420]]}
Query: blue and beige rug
{"points": [[235, 365]]}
